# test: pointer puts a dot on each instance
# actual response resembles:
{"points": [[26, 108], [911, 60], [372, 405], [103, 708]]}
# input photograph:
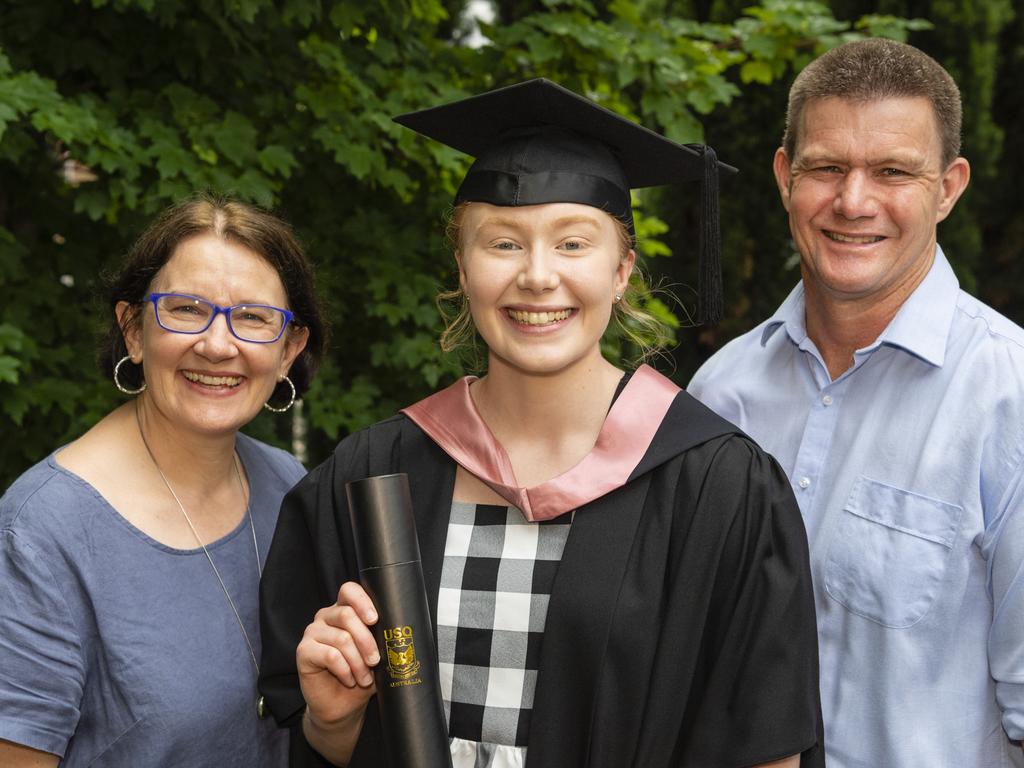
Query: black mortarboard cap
{"points": [[537, 142]]}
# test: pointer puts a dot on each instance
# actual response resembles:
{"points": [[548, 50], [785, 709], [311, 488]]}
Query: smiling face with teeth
{"points": [[541, 280], [864, 194], [211, 382]]}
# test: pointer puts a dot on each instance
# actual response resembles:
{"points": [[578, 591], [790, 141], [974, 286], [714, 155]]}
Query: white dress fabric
{"points": [[497, 576]]}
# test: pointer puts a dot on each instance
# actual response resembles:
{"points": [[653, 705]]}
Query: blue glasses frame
{"points": [[153, 298]]}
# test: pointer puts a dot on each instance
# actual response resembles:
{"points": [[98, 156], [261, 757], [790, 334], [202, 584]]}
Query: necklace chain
{"points": [[252, 527]]}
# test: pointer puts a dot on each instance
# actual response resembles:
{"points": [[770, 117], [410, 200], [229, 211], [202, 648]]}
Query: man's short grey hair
{"points": [[871, 70]]}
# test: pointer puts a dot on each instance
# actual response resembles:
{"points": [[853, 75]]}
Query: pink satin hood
{"points": [[451, 420]]}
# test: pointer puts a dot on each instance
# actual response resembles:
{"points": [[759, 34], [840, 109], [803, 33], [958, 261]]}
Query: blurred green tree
{"points": [[112, 109]]}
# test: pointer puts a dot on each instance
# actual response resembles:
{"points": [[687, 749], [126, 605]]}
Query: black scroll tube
{"points": [[408, 688]]}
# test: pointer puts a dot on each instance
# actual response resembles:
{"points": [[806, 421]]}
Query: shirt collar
{"points": [[789, 314], [921, 326]]}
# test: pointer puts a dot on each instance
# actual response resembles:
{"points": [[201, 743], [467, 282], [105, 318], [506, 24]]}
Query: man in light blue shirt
{"points": [[895, 403]]}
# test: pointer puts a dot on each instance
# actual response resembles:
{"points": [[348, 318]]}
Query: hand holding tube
{"points": [[335, 661]]}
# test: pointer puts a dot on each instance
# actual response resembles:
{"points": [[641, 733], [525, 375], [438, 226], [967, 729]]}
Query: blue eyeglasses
{"points": [[255, 323]]}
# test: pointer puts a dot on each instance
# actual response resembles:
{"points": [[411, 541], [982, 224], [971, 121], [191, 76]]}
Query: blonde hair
{"points": [[647, 333]]}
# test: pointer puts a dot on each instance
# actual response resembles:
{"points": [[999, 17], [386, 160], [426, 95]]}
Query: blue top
{"points": [[908, 472], [116, 650]]}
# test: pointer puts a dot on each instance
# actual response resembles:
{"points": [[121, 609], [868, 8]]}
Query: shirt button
{"points": [[827, 399], [805, 483]]}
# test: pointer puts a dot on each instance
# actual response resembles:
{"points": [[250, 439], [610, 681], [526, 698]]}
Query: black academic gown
{"points": [[680, 630]]}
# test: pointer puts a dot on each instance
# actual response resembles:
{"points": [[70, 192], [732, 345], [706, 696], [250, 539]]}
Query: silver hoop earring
{"points": [[117, 381], [291, 402], [618, 298]]}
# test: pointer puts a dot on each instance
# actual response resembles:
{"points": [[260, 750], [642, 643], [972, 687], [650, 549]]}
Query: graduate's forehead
{"points": [[485, 216]]}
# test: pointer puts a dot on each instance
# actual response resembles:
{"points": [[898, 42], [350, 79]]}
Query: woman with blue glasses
{"points": [[130, 558]]}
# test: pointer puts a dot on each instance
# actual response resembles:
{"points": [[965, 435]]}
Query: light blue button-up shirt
{"points": [[908, 471]]}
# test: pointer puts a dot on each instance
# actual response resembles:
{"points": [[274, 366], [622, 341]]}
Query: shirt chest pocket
{"points": [[889, 553]]}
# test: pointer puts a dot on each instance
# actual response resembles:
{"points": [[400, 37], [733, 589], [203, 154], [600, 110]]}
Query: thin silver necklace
{"points": [[252, 527]]}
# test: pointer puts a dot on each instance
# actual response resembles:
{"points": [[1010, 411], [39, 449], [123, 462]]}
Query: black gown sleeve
{"points": [[760, 700], [310, 557]]}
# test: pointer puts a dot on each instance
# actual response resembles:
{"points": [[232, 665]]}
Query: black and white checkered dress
{"points": [[496, 580]]}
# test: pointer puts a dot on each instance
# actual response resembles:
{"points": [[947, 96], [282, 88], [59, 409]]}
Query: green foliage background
{"points": [[112, 109]]}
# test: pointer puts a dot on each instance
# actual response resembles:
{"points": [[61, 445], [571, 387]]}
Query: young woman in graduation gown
{"points": [[617, 577]]}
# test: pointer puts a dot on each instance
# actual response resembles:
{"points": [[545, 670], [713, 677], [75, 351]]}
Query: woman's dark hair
{"points": [[240, 223]]}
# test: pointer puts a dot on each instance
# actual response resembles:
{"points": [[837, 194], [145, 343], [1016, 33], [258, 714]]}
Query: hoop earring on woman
{"points": [[117, 381], [618, 298], [291, 402]]}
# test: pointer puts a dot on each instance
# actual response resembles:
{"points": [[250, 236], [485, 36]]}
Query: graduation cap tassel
{"points": [[710, 302]]}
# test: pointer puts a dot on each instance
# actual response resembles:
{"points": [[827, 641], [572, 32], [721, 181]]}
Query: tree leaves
{"points": [[112, 109]]}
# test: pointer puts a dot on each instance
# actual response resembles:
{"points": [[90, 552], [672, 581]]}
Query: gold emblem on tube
{"points": [[401, 654]]}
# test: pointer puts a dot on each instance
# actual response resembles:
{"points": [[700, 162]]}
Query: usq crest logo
{"points": [[402, 663]]}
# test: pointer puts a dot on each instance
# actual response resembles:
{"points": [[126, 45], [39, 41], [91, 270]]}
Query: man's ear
{"points": [[954, 182], [783, 176]]}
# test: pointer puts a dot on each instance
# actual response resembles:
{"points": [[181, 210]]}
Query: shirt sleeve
{"points": [[42, 676], [1006, 581], [761, 700], [718, 395]]}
